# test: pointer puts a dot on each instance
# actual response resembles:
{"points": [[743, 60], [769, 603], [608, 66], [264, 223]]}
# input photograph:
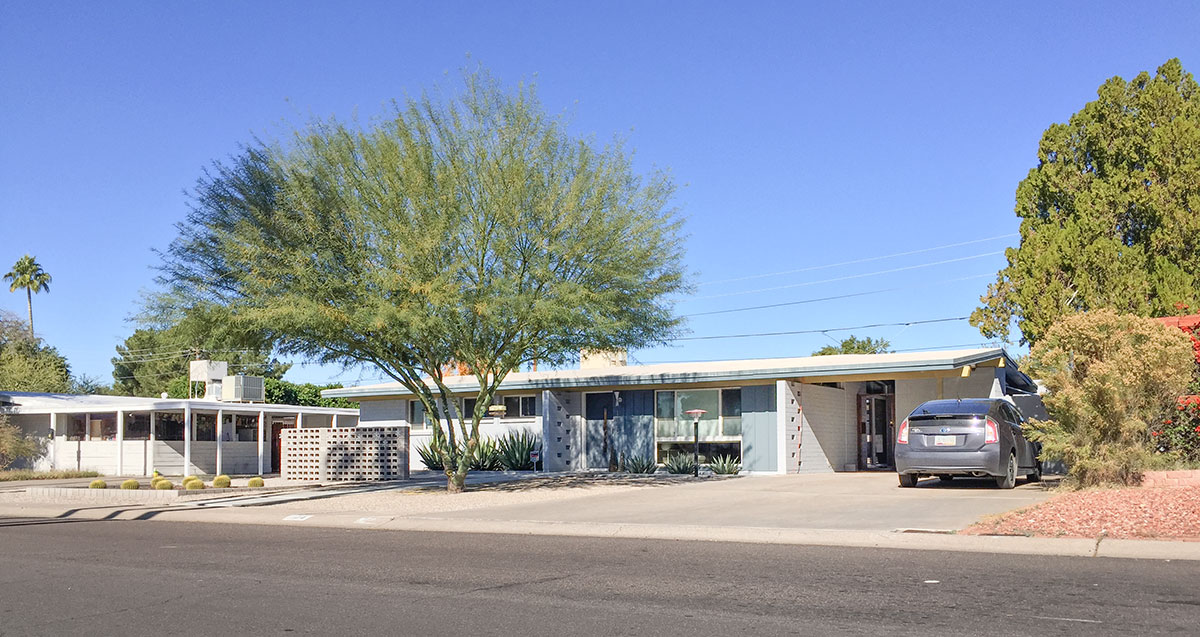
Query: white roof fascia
{"points": [[37, 403]]}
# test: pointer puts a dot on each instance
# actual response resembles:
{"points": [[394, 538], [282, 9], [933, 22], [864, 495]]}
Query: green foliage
{"points": [[679, 463], [1110, 378], [641, 464], [27, 274], [282, 392], [1179, 433], [855, 345], [515, 447], [14, 444], [193, 485], [430, 458], [131, 485], [98, 484], [473, 230], [487, 456], [163, 485], [725, 465], [255, 482], [221, 482], [12, 475], [26, 363], [1108, 216]]}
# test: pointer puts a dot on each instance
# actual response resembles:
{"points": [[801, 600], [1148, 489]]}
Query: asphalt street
{"points": [[61, 577]]}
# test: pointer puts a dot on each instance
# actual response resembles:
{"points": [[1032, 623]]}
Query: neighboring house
{"points": [[782, 415], [122, 435]]}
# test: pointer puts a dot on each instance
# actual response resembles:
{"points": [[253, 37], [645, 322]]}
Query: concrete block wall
{"points": [[345, 453], [791, 425], [829, 418], [562, 426]]}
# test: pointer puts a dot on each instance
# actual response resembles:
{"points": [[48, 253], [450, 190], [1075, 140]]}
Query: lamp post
{"points": [[695, 414]]}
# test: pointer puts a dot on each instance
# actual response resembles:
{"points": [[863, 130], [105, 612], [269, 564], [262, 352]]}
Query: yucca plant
{"points": [[641, 464], [679, 463], [515, 448], [725, 465]]}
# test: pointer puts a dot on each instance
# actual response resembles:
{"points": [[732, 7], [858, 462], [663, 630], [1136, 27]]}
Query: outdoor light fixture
{"points": [[695, 414]]}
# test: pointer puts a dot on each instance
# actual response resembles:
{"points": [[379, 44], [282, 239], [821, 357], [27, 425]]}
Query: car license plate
{"points": [[945, 441]]}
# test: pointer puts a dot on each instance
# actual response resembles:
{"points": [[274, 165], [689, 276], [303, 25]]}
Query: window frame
{"points": [[520, 398], [722, 438]]}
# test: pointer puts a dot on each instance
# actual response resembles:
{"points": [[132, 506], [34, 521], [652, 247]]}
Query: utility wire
{"points": [[856, 261], [848, 277], [822, 331]]}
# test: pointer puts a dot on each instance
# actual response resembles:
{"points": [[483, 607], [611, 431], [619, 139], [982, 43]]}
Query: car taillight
{"points": [[902, 437], [991, 433]]}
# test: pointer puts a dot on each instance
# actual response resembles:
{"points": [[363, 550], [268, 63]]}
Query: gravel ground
{"points": [[1131, 513]]}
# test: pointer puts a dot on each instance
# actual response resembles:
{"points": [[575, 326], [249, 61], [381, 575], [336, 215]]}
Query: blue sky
{"points": [[803, 135]]}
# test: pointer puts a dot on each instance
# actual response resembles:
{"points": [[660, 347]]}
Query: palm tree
{"points": [[28, 274]]}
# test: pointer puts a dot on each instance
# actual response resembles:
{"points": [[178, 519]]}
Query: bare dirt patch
{"points": [[1129, 513]]}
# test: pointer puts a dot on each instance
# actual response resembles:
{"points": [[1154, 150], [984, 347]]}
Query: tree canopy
{"points": [[27, 274], [467, 230], [855, 345], [1110, 216], [28, 364]]}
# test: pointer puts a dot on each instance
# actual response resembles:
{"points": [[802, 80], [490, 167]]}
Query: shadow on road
{"points": [[1047, 483]]}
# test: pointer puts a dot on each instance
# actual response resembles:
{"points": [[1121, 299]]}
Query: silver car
{"points": [[978, 437]]}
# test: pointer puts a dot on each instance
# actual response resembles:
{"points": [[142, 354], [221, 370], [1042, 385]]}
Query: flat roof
{"points": [[16, 402], [707, 372]]}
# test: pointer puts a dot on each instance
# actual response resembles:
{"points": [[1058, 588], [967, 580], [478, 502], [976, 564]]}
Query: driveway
{"points": [[851, 501]]}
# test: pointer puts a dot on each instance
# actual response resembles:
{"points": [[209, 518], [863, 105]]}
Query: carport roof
{"points": [[809, 367], [15, 402]]}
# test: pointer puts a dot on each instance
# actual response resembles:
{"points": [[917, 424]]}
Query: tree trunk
{"points": [[29, 304], [456, 483]]}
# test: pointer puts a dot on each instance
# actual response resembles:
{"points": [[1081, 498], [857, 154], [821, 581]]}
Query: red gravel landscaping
{"points": [[1132, 513]]}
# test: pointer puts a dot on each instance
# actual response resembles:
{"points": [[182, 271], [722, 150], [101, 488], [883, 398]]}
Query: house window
{"points": [[468, 411], [520, 406], [416, 415], [168, 426], [719, 430], [137, 426]]}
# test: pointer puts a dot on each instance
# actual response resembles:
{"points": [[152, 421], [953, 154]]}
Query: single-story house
{"points": [[123, 435], [778, 415]]}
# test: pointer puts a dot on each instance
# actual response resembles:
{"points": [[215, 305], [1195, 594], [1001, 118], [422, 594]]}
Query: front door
{"points": [[876, 431], [598, 412], [277, 428]]}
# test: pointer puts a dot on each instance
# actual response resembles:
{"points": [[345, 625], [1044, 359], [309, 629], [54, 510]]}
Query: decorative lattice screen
{"points": [[345, 453]]}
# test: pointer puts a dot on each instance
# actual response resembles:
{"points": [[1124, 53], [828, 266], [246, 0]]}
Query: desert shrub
{"points": [[193, 485], [487, 456], [1113, 379], [430, 458], [131, 485], [29, 474], [255, 482], [725, 465], [679, 463], [515, 447], [164, 485], [1179, 434], [98, 484], [221, 482], [15, 445], [641, 464]]}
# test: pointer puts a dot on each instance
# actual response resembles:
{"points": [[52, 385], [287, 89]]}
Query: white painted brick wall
{"points": [[828, 417]]}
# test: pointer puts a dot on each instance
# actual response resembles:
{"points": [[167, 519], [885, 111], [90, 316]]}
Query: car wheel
{"points": [[1036, 475], [1009, 479], [945, 478], [908, 480]]}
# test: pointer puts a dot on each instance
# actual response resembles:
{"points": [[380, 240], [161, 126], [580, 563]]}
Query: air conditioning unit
{"points": [[243, 389]]}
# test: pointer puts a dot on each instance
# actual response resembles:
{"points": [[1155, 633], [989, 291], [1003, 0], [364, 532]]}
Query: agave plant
{"points": [[679, 463], [431, 459], [641, 464], [487, 456], [515, 448], [725, 465]]}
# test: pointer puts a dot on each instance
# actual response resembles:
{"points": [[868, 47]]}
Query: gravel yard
{"points": [[1129, 513]]}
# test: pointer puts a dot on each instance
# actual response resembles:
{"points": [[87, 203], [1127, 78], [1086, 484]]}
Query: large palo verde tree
{"points": [[1110, 216], [470, 231]]}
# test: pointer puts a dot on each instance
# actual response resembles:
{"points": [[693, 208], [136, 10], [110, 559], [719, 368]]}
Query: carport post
{"points": [[220, 425], [120, 443], [261, 418], [150, 453], [187, 438]]}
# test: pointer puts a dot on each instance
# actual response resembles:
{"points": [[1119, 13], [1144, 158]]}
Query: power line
{"points": [[848, 277], [840, 296], [864, 260], [822, 331]]}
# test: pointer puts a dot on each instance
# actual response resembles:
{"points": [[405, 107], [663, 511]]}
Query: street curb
{"points": [[1068, 547]]}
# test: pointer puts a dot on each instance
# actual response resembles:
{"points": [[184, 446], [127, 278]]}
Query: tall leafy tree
{"points": [[854, 345], [467, 230], [1110, 216], [28, 364], [27, 274]]}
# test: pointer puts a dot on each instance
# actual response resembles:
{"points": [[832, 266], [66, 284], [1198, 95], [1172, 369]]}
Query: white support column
{"points": [[299, 420], [261, 423], [220, 432], [56, 433], [150, 447], [187, 438], [335, 421], [87, 426], [781, 421], [120, 443]]}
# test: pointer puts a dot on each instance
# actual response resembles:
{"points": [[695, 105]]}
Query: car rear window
{"points": [[952, 408]]}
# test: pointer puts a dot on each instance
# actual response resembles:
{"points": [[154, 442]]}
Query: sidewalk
{"points": [[712, 510]]}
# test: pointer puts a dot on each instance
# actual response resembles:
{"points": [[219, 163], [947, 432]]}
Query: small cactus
{"points": [[131, 485], [98, 484], [221, 482], [190, 478], [193, 485], [163, 485], [255, 482]]}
